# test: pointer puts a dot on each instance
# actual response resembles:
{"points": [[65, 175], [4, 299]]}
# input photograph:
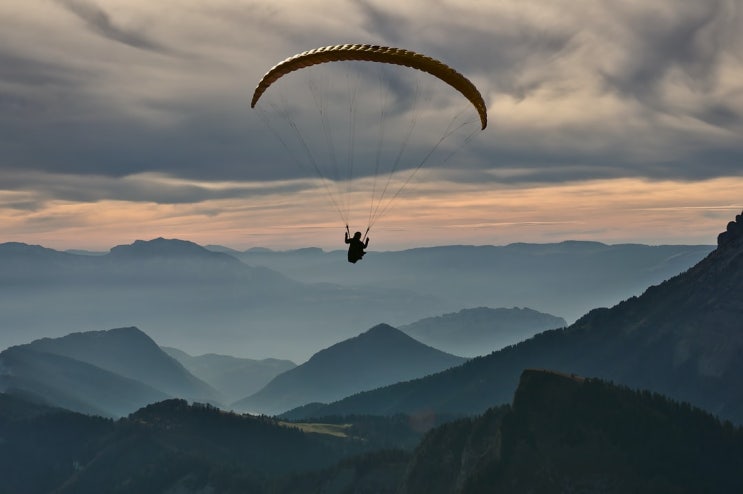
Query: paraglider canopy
{"points": [[381, 54], [358, 137]]}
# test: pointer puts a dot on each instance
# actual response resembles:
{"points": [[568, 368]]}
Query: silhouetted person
{"points": [[356, 247]]}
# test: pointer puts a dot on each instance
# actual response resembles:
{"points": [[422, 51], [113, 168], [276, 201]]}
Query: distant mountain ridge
{"points": [[382, 355], [682, 338], [110, 373], [128, 352], [177, 289], [161, 247], [292, 304], [513, 275], [63, 382], [568, 434], [21, 249], [481, 330]]}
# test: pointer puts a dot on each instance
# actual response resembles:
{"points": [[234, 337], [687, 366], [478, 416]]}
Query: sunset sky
{"points": [[615, 121]]}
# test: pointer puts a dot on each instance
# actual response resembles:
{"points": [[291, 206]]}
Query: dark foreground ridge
{"points": [[169, 446], [733, 235], [562, 433]]}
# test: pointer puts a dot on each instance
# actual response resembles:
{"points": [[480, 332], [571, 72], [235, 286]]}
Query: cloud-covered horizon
{"points": [[146, 104]]}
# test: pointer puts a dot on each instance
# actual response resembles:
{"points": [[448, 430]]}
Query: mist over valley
{"points": [[641, 394], [288, 305]]}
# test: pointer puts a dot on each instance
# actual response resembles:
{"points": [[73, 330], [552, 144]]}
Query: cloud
{"points": [[384, 24], [37, 189], [149, 101], [690, 39], [100, 22]]}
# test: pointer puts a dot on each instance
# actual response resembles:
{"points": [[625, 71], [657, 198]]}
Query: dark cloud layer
{"points": [[665, 70], [691, 39], [100, 22]]}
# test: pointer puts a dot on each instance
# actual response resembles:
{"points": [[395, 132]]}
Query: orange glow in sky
{"points": [[610, 211]]}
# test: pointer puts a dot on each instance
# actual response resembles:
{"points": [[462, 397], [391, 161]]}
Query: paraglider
{"points": [[388, 116], [356, 246]]}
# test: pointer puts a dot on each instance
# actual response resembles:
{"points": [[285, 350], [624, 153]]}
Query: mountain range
{"points": [[179, 291], [514, 275], [130, 353], [114, 372], [380, 356], [682, 338], [290, 305]]}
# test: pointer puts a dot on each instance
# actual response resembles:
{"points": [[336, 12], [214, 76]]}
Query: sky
{"points": [[615, 121]]}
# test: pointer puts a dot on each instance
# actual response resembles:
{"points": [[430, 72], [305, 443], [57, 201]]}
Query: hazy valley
{"points": [[289, 305], [642, 396]]}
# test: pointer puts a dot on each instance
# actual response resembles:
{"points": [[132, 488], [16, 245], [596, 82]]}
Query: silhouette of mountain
{"points": [[562, 433], [382, 355], [169, 446], [18, 251], [24, 266], [130, 353], [173, 261], [233, 377], [109, 373], [682, 338], [567, 434], [64, 382], [30, 260], [473, 332], [168, 248]]}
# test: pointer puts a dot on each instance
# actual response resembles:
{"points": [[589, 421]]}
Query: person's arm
{"points": [[367, 243], [348, 241]]}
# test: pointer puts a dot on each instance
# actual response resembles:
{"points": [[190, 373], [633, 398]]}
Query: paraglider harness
{"points": [[356, 246]]}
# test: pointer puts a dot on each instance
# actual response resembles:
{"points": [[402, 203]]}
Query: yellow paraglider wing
{"points": [[381, 54]]}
